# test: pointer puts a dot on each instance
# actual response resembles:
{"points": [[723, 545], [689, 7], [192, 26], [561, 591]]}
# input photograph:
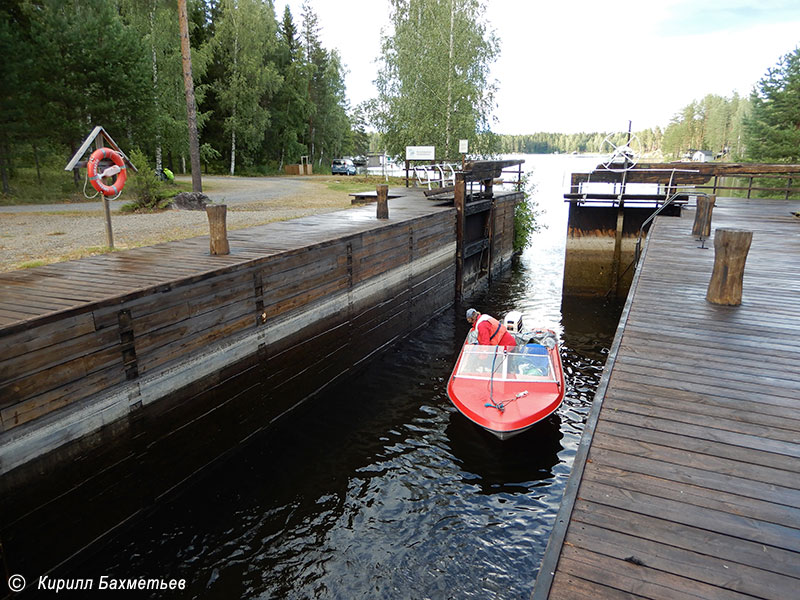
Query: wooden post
{"points": [[730, 254], [218, 229], [459, 200], [98, 143], [383, 201], [702, 216], [488, 188]]}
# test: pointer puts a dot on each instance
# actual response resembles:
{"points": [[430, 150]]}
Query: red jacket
{"points": [[492, 333]]}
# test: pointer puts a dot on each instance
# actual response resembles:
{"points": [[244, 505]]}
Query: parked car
{"points": [[343, 166]]}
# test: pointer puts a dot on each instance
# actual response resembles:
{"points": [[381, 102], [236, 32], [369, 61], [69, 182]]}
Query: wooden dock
{"points": [[686, 483]]}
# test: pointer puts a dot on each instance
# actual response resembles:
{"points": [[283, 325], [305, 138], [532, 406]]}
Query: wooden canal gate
{"points": [[604, 224]]}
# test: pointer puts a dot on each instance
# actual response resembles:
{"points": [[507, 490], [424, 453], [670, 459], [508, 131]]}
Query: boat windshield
{"points": [[521, 363]]}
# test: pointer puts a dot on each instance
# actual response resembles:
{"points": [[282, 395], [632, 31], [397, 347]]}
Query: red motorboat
{"points": [[507, 390]]}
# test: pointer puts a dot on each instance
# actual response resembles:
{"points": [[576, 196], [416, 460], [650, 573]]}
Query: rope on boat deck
{"points": [[502, 405]]}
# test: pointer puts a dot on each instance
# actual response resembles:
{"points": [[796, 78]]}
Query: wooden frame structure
{"points": [[101, 139]]}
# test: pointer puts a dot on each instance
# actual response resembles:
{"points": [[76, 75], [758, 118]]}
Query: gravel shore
{"points": [[31, 238]]}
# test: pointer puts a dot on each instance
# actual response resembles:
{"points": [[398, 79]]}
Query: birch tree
{"points": [[434, 83], [245, 39]]}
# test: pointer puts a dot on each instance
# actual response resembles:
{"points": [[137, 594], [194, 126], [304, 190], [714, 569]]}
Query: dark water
{"points": [[379, 488]]}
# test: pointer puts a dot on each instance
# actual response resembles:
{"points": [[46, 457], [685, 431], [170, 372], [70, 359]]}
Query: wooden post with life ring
{"points": [[106, 205], [106, 149]]}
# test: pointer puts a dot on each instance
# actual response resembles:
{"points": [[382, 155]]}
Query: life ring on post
{"points": [[118, 169]]}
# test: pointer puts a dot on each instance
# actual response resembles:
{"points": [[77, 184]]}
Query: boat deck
{"points": [[686, 483]]}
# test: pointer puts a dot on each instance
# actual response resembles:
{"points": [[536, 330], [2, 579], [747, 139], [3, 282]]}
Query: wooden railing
{"points": [[674, 176]]}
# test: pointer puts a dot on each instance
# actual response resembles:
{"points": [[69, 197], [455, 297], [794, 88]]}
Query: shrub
{"points": [[147, 189], [526, 215]]}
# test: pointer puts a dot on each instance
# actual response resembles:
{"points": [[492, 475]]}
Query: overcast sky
{"points": [[589, 65]]}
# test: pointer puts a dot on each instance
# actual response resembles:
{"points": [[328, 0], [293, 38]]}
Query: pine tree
{"points": [[290, 106], [772, 132], [88, 68], [327, 124]]}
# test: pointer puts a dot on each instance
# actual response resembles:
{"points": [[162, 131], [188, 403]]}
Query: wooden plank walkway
{"points": [[686, 483], [53, 290]]}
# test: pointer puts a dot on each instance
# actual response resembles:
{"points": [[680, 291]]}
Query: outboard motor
{"points": [[513, 321]]}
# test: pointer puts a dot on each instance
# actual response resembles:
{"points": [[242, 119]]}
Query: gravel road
{"points": [[55, 232]]}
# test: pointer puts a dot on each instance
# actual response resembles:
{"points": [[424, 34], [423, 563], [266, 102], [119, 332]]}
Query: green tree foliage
{"points": [[527, 215], [328, 129], [156, 22], [291, 104], [434, 85], [548, 143], [15, 89], [88, 68], [267, 92], [145, 186], [713, 123], [246, 41], [772, 132]]}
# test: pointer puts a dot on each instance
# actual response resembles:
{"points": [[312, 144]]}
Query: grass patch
{"points": [[56, 186], [32, 263], [359, 183]]}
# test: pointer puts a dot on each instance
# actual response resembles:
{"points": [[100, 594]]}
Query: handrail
{"points": [[427, 174], [637, 253]]}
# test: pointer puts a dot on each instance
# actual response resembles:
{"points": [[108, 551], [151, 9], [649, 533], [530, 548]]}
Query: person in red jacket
{"points": [[491, 332]]}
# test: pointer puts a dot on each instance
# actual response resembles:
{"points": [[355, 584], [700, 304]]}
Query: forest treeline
{"points": [[714, 124], [267, 90], [763, 127]]}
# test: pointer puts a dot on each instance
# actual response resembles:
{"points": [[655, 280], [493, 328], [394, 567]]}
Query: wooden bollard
{"points": [[383, 201], [218, 229], [702, 216], [730, 254]]}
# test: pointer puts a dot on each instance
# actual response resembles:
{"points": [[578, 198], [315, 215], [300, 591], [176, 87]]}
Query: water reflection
{"points": [[510, 466]]}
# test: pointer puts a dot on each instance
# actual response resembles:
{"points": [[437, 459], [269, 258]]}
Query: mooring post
{"points": [[383, 201], [702, 216], [730, 254], [218, 229]]}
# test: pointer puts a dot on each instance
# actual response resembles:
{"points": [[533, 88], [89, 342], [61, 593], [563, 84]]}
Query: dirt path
{"points": [[40, 234]]}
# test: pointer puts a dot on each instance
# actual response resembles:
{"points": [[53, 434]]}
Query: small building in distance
{"points": [[702, 156]]}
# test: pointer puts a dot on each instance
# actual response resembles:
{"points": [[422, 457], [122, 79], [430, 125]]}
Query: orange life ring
{"points": [[96, 180]]}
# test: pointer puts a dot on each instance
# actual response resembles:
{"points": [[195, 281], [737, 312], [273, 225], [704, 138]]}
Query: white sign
{"points": [[463, 146], [420, 152]]}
